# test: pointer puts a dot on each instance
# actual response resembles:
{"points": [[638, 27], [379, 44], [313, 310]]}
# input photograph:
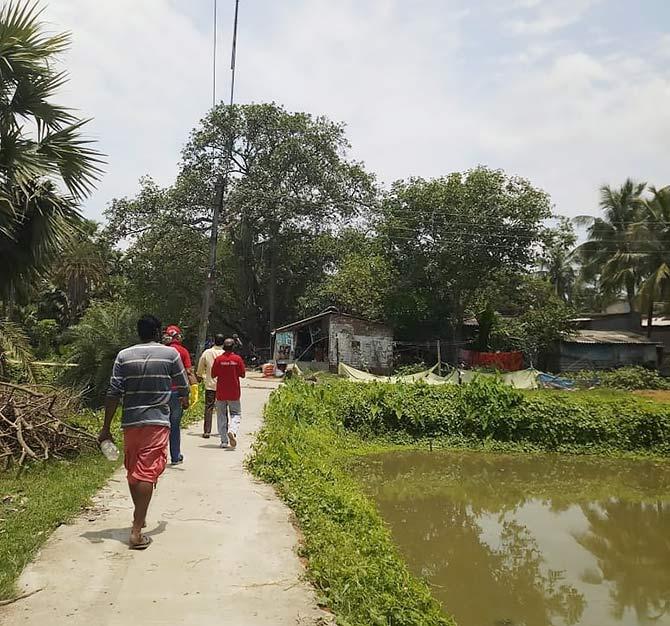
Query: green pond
{"points": [[537, 540]]}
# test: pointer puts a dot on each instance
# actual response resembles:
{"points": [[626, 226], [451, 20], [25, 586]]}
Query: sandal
{"points": [[144, 543]]}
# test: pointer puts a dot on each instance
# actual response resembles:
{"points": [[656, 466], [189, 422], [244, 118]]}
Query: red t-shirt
{"points": [[185, 357], [228, 368]]}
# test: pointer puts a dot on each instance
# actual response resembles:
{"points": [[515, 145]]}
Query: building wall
{"points": [[574, 356], [661, 334], [615, 321], [361, 344]]}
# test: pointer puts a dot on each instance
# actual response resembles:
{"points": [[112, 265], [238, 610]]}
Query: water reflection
{"points": [[514, 541], [631, 543]]}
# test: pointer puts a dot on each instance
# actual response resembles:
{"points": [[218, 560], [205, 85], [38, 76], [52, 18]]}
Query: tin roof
{"points": [[314, 318], [608, 337]]}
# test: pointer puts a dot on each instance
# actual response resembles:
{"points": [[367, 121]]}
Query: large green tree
{"points": [[357, 278], [41, 148], [609, 254], [449, 238], [289, 187], [46, 166]]}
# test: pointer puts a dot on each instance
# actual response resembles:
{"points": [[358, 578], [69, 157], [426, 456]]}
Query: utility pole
{"points": [[439, 358], [219, 194]]}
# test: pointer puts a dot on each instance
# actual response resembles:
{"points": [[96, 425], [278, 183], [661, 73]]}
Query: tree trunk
{"points": [[630, 295], [650, 314]]}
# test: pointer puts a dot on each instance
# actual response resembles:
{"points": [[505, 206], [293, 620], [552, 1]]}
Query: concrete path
{"points": [[223, 550]]}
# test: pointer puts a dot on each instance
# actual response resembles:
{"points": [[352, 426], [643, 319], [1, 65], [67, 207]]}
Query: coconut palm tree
{"points": [[42, 150], [652, 235], [608, 253], [556, 261]]}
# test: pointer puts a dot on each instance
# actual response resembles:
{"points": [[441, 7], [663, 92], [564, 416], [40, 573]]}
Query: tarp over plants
{"points": [[521, 379], [365, 377]]}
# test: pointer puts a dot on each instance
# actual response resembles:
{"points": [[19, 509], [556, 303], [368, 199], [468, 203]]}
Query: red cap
{"points": [[173, 330]]}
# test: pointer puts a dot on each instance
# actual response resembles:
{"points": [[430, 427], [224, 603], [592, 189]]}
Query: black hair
{"points": [[149, 328], [228, 344], [219, 339]]}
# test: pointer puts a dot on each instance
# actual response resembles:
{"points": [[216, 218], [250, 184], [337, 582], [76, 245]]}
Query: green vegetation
{"points": [[313, 432], [37, 502], [302, 450], [46, 495], [628, 378], [487, 412]]}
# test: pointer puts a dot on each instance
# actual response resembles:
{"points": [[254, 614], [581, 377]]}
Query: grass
{"points": [[313, 433], [352, 560], [46, 495], [36, 503]]}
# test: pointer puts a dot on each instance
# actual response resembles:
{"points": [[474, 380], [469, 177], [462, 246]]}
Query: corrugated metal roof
{"points": [[314, 318], [608, 337]]}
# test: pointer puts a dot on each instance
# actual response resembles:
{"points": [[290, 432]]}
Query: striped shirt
{"points": [[143, 375]]}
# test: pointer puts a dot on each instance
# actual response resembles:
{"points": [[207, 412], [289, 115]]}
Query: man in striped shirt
{"points": [[143, 375]]}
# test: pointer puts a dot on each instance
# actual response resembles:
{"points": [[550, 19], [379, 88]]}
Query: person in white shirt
{"points": [[204, 371]]}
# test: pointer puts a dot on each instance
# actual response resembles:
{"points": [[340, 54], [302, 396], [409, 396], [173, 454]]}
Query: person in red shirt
{"points": [[228, 368], [173, 338]]}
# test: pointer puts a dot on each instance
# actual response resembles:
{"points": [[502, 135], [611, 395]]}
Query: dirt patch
{"points": [[658, 395]]}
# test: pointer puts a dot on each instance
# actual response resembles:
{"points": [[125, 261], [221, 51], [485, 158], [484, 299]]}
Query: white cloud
{"points": [[417, 89], [580, 123], [547, 16], [142, 71]]}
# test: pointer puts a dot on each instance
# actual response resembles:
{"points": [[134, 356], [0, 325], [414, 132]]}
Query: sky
{"points": [[571, 94]]}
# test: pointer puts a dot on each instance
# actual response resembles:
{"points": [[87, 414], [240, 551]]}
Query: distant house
{"points": [[323, 341], [610, 321], [604, 349], [660, 332]]}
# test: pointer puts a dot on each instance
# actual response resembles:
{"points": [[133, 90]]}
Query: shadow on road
{"points": [[120, 534]]}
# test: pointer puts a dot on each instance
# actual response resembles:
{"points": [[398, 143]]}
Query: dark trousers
{"points": [[176, 411], [210, 401]]}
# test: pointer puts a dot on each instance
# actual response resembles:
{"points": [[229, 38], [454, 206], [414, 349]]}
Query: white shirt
{"points": [[205, 366]]}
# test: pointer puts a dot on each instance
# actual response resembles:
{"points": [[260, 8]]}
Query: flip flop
{"points": [[144, 543]]}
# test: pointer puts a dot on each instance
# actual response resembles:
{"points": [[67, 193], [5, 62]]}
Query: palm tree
{"points": [[608, 252], [95, 341], [81, 268], [15, 349], [652, 235], [41, 148], [556, 259], [41, 152]]}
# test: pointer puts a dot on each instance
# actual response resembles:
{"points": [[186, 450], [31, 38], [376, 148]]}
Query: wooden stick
{"points": [[21, 597]]}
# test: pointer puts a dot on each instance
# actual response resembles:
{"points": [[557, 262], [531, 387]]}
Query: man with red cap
{"points": [[173, 338]]}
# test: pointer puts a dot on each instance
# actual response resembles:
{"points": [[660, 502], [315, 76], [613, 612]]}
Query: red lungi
{"points": [[145, 452]]}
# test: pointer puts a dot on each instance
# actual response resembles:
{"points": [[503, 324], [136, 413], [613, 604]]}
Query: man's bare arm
{"points": [[111, 404]]}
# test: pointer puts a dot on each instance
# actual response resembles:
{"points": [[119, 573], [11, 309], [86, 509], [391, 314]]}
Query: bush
{"points": [[488, 410], [94, 343], [352, 560], [311, 431], [628, 378]]}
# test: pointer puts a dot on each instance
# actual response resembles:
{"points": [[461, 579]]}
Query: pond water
{"points": [[511, 540]]}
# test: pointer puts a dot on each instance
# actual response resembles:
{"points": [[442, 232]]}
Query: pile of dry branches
{"points": [[33, 425]]}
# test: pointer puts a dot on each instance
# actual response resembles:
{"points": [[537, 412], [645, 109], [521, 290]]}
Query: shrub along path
{"points": [[223, 551]]}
